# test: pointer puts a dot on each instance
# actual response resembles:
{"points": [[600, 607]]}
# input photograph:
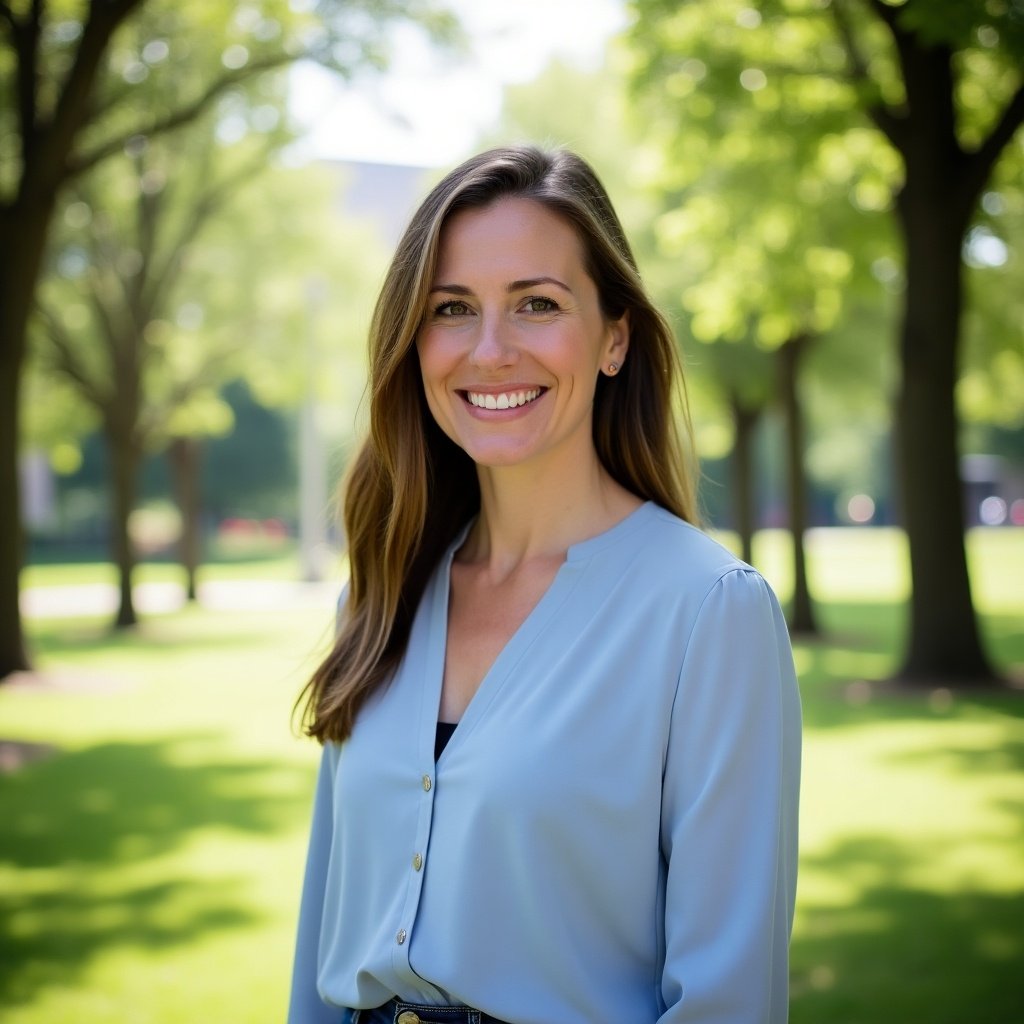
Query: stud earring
{"points": [[613, 368]]}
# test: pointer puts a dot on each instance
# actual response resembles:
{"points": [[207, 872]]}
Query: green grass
{"points": [[149, 871]]}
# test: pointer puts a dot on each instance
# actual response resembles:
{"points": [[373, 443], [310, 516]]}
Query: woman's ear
{"points": [[616, 345]]}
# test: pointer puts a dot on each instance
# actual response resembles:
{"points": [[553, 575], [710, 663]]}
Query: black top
{"points": [[444, 734]]}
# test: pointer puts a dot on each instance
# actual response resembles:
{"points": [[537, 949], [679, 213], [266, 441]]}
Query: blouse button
{"points": [[400, 937], [417, 862], [426, 783]]}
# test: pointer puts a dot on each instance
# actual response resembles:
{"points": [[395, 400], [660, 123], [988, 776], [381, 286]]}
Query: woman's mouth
{"points": [[502, 399]]}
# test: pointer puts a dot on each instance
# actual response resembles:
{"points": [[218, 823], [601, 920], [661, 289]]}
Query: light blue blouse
{"points": [[611, 832]]}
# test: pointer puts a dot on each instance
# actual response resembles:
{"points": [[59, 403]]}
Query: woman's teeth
{"points": [[506, 400]]}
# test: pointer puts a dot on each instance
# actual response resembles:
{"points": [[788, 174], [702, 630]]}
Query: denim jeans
{"points": [[398, 1012]]}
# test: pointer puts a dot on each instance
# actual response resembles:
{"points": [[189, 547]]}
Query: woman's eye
{"points": [[539, 304], [452, 308]]}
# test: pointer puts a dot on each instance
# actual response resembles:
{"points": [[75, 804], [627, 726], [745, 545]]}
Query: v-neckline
{"points": [[558, 590]]}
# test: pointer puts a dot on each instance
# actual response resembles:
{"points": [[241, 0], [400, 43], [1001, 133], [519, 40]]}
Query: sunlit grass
{"points": [[149, 870]]}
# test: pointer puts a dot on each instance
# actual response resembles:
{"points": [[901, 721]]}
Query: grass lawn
{"points": [[149, 869]]}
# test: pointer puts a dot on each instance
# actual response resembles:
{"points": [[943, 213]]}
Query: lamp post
{"points": [[312, 464]]}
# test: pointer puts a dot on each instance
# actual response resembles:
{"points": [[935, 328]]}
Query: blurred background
{"points": [[198, 201]]}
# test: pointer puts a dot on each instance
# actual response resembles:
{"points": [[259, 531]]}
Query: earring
{"points": [[613, 368]]}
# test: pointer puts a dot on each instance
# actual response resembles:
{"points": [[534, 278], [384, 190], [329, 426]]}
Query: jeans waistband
{"points": [[398, 1012]]}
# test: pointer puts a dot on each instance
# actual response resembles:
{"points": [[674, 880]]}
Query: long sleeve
{"points": [[305, 1005], [729, 814]]}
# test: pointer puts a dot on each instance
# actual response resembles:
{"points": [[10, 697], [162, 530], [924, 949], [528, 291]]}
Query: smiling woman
{"points": [[511, 353], [554, 787]]}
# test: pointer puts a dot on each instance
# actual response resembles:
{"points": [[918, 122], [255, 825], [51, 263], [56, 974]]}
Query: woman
{"points": [[560, 724]]}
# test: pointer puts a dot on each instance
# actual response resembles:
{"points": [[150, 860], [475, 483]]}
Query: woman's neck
{"points": [[527, 512]]}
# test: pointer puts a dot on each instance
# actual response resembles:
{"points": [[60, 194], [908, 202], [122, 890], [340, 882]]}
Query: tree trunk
{"points": [[13, 656], [124, 467], [185, 454], [19, 271], [789, 356], [934, 207], [745, 421], [944, 643]]}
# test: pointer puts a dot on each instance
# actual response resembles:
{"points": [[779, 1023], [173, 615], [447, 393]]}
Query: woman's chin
{"points": [[499, 453]]}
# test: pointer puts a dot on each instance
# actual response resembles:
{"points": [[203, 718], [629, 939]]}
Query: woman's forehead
{"points": [[511, 235]]}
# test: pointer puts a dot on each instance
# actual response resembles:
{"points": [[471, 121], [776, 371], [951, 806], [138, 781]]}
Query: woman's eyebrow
{"points": [[533, 282], [452, 289], [512, 286]]}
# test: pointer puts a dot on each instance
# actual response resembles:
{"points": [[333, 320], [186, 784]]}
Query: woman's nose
{"points": [[493, 345]]}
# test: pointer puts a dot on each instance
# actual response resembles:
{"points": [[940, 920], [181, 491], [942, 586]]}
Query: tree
{"points": [[107, 310], [67, 82], [184, 270], [940, 83], [740, 375], [941, 50], [767, 250]]}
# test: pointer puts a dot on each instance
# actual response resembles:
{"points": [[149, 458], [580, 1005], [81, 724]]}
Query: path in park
{"points": [[222, 595]]}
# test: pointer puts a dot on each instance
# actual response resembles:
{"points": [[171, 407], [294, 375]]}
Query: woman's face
{"points": [[514, 338]]}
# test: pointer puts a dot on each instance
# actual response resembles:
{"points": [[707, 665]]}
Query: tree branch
{"points": [[101, 106], [858, 65], [153, 418], [981, 161], [885, 13], [888, 120], [25, 37], [105, 247], [207, 206], [66, 361], [71, 110], [147, 215], [104, 269], [177, 118]]}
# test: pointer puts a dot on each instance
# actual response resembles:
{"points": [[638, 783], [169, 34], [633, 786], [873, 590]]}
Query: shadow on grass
{"points": [[122, 801], [48, 939], [898, 952], [75, 826]]}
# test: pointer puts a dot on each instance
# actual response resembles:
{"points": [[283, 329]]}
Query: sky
{"points": [[429, 110]]}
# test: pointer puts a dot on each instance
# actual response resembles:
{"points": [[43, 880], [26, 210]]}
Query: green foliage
{"points": [[772, 189], [202, 302], [995, 25], [778, 191], [252, 472], [558, 109], [991, 387], [296, 298], [168, 61]]}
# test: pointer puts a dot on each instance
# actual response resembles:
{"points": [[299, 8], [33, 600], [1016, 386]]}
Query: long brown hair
{"points": [[411, 489]]}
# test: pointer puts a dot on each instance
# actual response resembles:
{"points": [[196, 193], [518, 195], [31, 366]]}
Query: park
{"points": [[827, 201]]}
